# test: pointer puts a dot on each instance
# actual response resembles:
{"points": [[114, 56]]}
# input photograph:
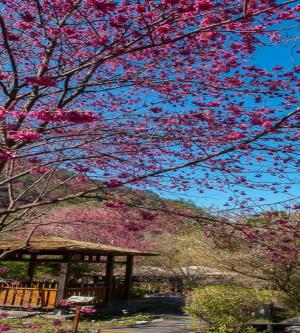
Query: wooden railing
{"points": [[43, 294], [99, 292], [27, 297], [118, 291], [32, 284]]}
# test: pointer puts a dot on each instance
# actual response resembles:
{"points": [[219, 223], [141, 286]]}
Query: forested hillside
{"points": [[128, 217]]}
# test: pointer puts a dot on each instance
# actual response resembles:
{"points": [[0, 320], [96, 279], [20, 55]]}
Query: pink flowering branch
{"points": [[159, 94]]}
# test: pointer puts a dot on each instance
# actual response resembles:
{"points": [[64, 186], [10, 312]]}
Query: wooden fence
{"points": [[27, 297], [118, 291], [98, 292], [43, 294]]}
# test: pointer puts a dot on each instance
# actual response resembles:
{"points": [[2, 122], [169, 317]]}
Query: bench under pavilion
{"points": [[46, 295]]}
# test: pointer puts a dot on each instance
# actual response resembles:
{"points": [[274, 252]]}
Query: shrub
{"points": [[291, 293], [15, 270], [226, 309]]}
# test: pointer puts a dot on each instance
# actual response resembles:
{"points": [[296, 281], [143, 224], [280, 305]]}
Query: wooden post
{"points": [[128, 277], [109, 277], [76, 319], [31, 268], [62, 289]]}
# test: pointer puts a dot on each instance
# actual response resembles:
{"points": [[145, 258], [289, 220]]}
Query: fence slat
{"points": [[19, 296], [52, 298], [10, 297], [35, 298], [27, 297], [3, 293]]}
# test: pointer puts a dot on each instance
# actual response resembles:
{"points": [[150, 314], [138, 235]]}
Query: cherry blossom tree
{"points": [[265, 248], [148, 94], [118, 226]]}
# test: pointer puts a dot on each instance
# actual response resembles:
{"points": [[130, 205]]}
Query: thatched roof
{"points": [[58, 244]]}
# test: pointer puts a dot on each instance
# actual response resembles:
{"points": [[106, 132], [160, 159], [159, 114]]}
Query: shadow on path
{"points": [[172, 318]]}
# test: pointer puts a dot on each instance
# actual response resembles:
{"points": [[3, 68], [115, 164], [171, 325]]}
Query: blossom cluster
{"points": [[159, 94], [87, 309], [65, 303]]}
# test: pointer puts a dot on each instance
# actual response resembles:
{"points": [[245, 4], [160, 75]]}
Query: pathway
{"points": [[168, 308], [172, 324]]}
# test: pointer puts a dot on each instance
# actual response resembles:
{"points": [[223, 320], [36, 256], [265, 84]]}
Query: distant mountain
{"points": [[136, 198]]}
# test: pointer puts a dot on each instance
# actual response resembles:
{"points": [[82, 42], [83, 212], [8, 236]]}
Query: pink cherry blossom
{"points": [[46, 81], [167, 96], [26, 134]]}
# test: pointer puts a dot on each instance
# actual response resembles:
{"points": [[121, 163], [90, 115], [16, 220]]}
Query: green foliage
{"points": [[226, 309], [141, 290], [79, 269], [47, 270], [291, 296], [17, 270], [51, 270]]}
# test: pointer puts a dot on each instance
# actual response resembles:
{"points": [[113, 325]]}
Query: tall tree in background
{"points": [[150, 93]]}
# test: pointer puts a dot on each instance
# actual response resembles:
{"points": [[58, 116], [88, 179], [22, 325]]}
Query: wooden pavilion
{"points": [[46, 295]]}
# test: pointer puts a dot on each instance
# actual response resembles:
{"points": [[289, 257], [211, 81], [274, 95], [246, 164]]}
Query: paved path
{"points": [[173, 324]]}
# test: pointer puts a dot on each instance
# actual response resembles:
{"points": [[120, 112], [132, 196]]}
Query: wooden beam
{"points": [[57, 256], [128, 277], [31, 267], [109, 277], [37, 260], [57, 260], [63, 280]]}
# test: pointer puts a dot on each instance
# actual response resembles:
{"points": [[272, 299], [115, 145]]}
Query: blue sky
{"points": [[267, 57]]}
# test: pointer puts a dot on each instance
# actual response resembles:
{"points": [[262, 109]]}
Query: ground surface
{"points": [[153, 315], [170, 324]]}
